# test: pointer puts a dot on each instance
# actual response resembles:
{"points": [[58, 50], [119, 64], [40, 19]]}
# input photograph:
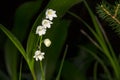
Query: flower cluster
{"points": [[41, 30], [46, 23]]}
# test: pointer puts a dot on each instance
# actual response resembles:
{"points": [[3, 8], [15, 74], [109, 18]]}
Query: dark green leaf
{"points": [[23, 17], [61, 6], [57, 35], [14, 40]]}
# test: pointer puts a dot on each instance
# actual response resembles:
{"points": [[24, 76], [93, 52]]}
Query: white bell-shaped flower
{"points": [[50, 14], [46, 23], [39, 55], [40, 30]]}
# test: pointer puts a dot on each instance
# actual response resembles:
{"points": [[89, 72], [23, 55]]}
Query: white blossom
{"points": [[50, 14], [47, 42], [46, 23], [40, 30], [39, 55]]}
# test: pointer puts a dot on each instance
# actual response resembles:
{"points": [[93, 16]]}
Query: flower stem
{"points": [[41, 66], [61, 65], [40, 44], [42, 71]]}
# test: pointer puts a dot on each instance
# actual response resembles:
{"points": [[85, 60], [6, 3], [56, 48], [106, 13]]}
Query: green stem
{"points": [[31, 69], [116, 10], [94, 42], [61, 66], [33, 74], [42, 71], [40, 44], [41, 66]]}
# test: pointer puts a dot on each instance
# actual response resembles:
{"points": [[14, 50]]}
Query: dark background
{"points": [[8, 8]]}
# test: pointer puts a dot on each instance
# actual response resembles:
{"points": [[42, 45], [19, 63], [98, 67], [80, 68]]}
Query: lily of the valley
{"points": [[41, 30], [46, 23], [50, 14], [39, 55]]}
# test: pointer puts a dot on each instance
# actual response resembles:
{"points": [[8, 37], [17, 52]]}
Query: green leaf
{"points": [[107, 49], [58, 39], [22, 21], [62, 62], [14, 40], [61, 6], [11, 59], [24, 16]]}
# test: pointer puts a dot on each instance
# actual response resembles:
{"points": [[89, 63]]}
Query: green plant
{"points": [[22, 24], [110, 13], [42, 61], [101, 42]]}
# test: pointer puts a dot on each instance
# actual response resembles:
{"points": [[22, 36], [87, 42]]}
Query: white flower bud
{"points": [[47, 42]]}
